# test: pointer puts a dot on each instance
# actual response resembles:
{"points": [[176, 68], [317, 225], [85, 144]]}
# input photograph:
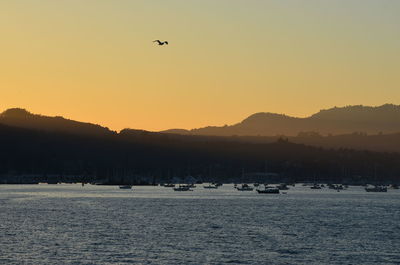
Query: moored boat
{"points": [[282, 186], [315, 187], [339, 187], [182, 188], [245, 187], [125, 187], [269, 190], [335, 186], [376, 188]]}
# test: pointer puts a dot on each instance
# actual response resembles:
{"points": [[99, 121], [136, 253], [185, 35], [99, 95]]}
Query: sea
{"points": [[71, 224]]}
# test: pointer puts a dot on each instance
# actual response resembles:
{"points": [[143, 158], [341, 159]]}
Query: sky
{"points": [[95, 61]]}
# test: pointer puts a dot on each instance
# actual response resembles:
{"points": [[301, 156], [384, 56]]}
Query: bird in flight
{"points": [[161, 42]]}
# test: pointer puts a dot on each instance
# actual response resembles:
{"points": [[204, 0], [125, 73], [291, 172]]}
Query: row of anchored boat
{"points": [[267, 188], [376, 188], [189, 187], [339, 187], [244, 187]]}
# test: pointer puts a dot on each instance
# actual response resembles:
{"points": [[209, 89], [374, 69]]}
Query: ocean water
{"points": [[71, 224]]}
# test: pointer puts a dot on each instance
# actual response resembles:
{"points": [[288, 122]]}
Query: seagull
{"points": [[161, 42]]}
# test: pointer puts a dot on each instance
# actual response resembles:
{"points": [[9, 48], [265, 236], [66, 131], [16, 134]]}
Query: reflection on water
{"points": [[71, 224]]}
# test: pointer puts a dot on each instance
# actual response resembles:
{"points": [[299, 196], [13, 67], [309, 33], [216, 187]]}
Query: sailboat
{"points": [[375, 188]]}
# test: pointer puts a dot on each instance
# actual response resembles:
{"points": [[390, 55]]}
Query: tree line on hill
{"points": [[133, 156]]}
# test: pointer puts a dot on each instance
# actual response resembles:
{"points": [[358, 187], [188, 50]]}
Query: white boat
{"points": [[182, 188], [376, 188], [245, 187], [211, 186]]}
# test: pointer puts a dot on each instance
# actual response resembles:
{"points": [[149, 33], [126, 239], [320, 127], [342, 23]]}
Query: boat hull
{"points": [[271, 191], [247, 189], [125, 187], [375, 190]]}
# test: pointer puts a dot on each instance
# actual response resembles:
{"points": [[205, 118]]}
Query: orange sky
{"points": [[95, 61]]}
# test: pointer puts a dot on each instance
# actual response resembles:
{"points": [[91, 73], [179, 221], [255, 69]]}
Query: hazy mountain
{"points": [[260, 128], [344, 120], [355, 141], [21, 118]]}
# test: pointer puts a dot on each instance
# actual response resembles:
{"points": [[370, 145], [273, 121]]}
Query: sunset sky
{"points": [[95, 61]]}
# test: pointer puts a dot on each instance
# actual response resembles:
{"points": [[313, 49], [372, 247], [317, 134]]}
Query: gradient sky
{"points": [[95, 61]]}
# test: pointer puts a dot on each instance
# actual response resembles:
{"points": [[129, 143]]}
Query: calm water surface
{"points": [[71, 224]]}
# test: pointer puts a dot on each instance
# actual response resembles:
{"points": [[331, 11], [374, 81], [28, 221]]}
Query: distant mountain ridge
{"points": [[337, 120], [259, 128], [21, 118]]}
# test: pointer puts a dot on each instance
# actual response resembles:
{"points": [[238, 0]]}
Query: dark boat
{"points": [[338, 187], [125, 187], [269, 190], [315, 187], [282, 186]]}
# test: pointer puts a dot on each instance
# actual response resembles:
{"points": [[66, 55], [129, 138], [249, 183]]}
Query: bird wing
{"points": [[157, 41]]}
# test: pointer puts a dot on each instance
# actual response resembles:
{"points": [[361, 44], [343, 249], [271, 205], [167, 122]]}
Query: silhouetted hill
{"points": [[21, 118], [345, 120], [251, 127]]}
